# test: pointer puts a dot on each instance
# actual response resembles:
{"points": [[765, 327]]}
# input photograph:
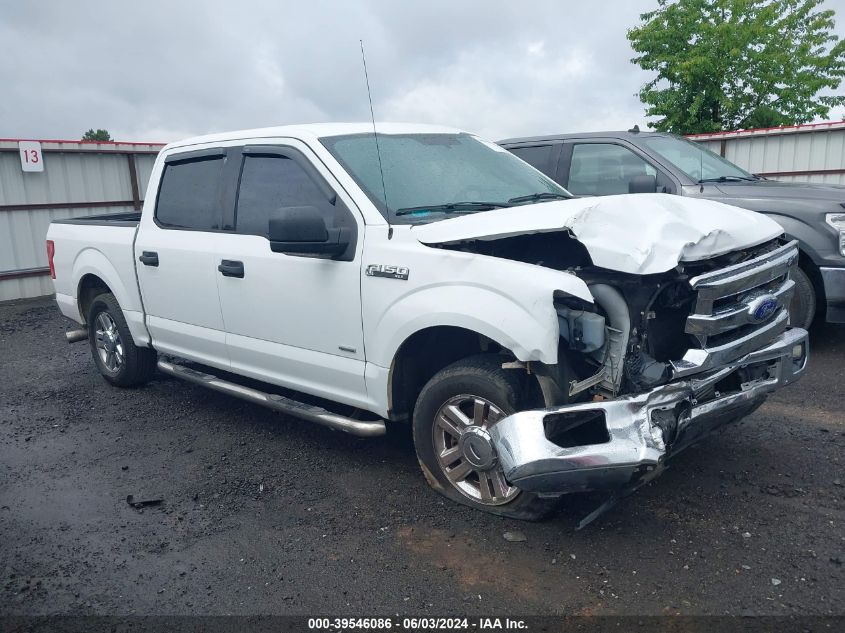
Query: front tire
{"points": [[116, 356], [802, 308], [451, 418]]}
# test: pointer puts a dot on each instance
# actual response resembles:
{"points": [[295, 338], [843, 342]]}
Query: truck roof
{"points": [[316, 130], [559, 137]]}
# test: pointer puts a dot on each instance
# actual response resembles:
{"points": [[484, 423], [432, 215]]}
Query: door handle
{"points": [[148, 258], [231, 268]]}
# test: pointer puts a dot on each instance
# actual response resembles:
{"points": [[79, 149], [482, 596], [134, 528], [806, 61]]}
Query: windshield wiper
{"points": [[728, 179], [453, 207], [533, 197]]}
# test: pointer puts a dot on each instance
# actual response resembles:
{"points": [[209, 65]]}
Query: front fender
{"points": [[815, 238], [506, 301], [529, 336]]}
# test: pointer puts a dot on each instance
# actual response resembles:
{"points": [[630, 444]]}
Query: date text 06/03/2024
{"points": [[416, 624]]}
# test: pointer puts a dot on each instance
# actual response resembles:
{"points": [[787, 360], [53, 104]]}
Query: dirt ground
{"points": [[266, 515]]}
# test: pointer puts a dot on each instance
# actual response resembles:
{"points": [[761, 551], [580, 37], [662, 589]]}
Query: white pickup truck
{"points": [[539, 344]]}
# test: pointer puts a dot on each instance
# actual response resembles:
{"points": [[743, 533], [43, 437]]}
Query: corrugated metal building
{"points": [[810, 153], [78, 179]]}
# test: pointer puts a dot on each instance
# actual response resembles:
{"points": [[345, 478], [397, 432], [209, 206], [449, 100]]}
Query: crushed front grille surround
{"points": [[739, 309]]}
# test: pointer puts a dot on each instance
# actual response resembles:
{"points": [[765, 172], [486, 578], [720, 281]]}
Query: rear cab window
{"points": [[540, 157]]}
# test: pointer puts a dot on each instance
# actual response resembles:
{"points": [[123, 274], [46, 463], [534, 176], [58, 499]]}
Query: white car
{"points": [[539, 344]]}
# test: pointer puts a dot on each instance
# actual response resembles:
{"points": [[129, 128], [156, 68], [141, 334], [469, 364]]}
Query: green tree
{"points": [[733, 64], [96, 135]]}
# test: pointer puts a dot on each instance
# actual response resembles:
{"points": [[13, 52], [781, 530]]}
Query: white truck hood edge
{"points": [[638, 234]]}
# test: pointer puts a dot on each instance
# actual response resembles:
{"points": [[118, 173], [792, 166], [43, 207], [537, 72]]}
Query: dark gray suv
{"points": [[606, 163]]}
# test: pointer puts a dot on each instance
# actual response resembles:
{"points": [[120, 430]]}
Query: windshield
{"points": [[429, 177], [695, 161]]}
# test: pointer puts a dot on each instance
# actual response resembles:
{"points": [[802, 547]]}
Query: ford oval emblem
{"points": [[763, 308]]}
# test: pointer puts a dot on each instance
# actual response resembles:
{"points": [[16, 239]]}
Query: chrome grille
{"points": [[739, 309]]}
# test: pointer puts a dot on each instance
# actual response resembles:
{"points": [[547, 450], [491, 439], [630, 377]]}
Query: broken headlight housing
{"points": [[837, 221]]}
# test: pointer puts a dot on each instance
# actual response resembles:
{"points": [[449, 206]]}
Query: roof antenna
{"points": [[635, 129], [375, 135]]}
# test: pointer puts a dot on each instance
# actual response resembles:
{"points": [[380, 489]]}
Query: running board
{"points": [[311, 413]]}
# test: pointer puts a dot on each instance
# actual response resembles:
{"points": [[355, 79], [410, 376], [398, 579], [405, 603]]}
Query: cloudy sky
{"points": [[160, 70]]}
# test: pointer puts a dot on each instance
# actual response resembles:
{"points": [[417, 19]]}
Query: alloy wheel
{"points": [[108, 342], [465, 452]]}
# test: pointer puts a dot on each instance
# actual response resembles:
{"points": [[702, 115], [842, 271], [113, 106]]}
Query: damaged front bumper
{"points": [[545, 450]]}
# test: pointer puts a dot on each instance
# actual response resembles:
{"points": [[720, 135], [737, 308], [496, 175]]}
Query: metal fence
{"points": [[77, 179], [810, 153]]}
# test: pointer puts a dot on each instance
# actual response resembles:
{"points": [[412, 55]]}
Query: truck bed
{"points": [[97, 250]]}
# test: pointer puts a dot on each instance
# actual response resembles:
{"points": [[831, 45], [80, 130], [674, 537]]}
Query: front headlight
{"points": [[837, 221]]}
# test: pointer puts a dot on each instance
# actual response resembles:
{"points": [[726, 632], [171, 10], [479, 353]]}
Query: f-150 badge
{"points": [[386, 270]]}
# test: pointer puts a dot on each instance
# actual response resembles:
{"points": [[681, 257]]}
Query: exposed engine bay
{"points": [[655, 363]]}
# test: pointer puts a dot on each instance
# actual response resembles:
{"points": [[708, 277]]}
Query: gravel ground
{"points": [[267, 515]]}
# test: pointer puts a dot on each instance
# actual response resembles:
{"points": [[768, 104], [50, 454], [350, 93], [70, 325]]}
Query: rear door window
{"points": [[538, 156], [601, 169], [189, 194]]}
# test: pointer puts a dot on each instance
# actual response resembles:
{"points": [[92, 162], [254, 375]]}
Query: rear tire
{"points": [[451, 416], [116, 356], [802, 309]]}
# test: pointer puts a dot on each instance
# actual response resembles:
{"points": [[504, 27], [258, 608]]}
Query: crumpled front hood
{"points": [[639, 234]]}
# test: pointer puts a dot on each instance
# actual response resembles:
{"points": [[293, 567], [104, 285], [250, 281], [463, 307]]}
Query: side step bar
{"points": [[361, 428]]}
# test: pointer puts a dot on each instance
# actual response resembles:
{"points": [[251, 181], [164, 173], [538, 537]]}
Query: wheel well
{"points": [[425, 353], [89, 287]]}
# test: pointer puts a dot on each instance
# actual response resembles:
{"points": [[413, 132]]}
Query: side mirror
{"points": [[642, 184], [302, 231]]}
